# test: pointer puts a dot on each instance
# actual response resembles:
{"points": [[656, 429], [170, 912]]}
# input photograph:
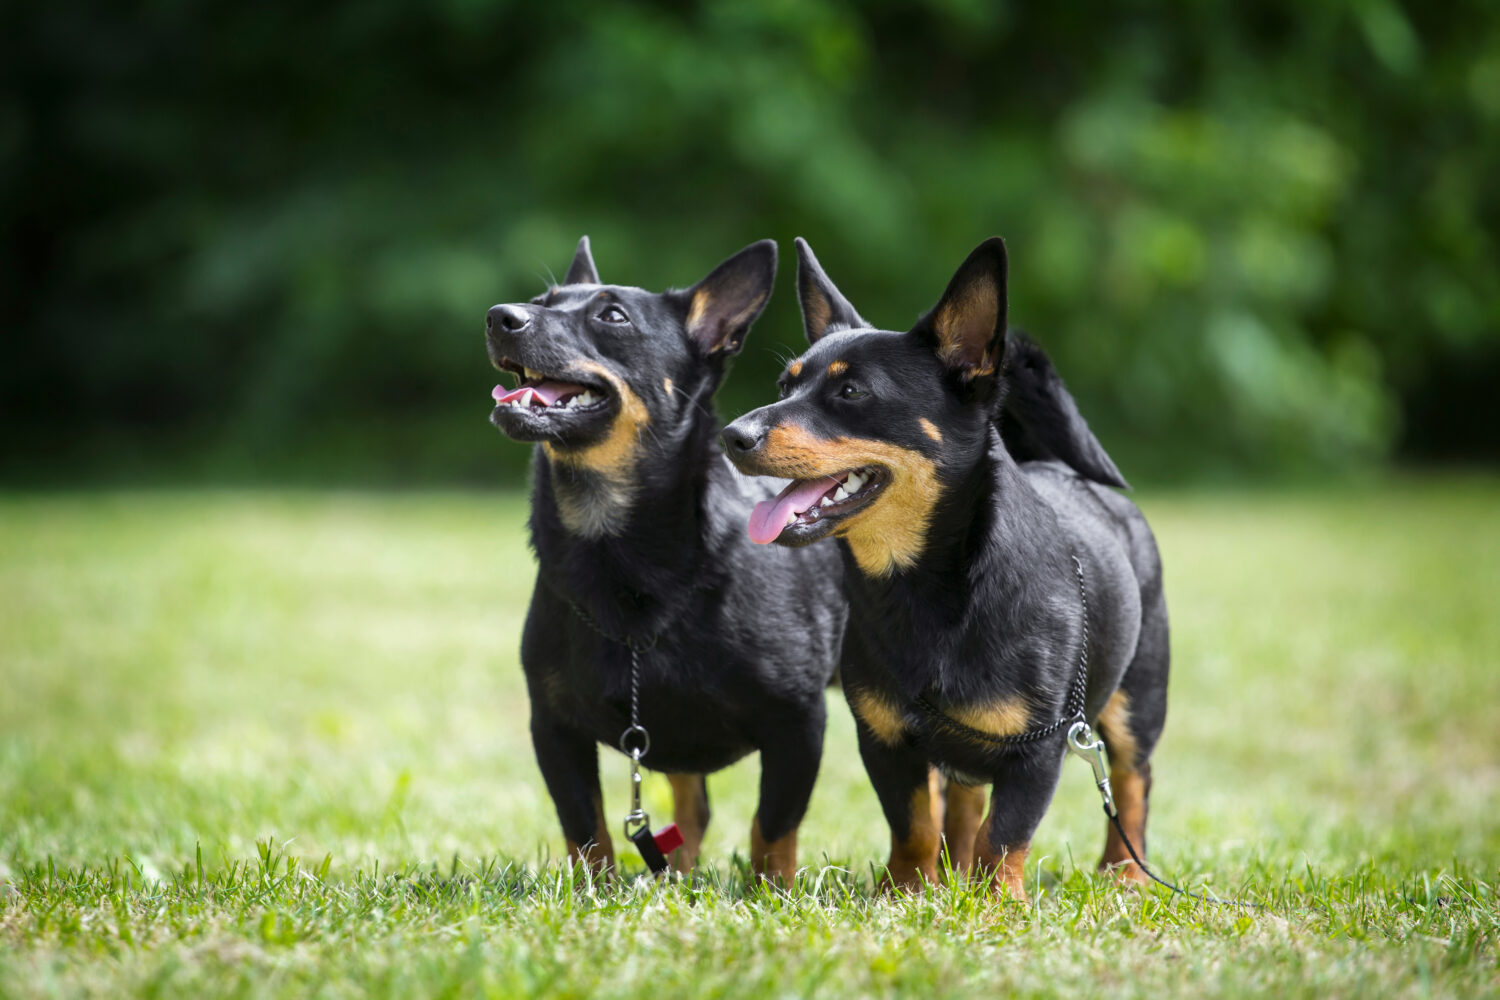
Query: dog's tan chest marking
{"points": [[879, 715], [1006, 716]]}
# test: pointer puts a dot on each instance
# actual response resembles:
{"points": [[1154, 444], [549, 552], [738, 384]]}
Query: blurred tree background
{"points": [[256, 241]]}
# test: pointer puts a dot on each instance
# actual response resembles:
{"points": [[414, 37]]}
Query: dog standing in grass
{"points": [[636, 520], [969, 618]]}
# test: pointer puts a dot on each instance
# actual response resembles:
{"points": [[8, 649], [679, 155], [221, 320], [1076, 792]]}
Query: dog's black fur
{"points": [[637, 520], [959, 571]]}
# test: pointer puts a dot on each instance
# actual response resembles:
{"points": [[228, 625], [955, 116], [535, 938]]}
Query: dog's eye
{"points": [[614, 314], [850, 391], [782, 388]]}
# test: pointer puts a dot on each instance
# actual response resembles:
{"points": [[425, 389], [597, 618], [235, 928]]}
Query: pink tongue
{"points": [[547, 392], [770, 516]]}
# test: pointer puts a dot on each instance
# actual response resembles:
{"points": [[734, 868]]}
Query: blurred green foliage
{"points": [[258, 239]]}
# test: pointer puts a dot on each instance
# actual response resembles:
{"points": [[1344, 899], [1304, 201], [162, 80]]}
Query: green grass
{"points": [[260, 744]]}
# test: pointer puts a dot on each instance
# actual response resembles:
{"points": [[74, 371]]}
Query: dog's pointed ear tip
{"points": [[762, 252]]}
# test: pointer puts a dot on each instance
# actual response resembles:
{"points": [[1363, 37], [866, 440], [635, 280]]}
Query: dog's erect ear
{"points": [[582, 270], [824, 308], [722, 306], [967, 326]]}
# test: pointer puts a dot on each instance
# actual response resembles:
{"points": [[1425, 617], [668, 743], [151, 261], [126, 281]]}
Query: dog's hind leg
{"points": [[1131, 723], [963, 813], [790, 752], [570, 766], [691, 814]]}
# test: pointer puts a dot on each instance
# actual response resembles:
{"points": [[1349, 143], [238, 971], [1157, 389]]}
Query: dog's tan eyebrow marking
{"points": [[666, 384], [795, 368], [930, 429], [837, 368]]}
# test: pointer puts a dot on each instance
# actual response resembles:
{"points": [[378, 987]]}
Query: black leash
{"points": [[1081, 742], [635, 743]]}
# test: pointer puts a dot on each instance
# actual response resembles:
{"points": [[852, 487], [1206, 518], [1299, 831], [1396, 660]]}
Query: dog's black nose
{"points": [[741, 440], [507, 317]]}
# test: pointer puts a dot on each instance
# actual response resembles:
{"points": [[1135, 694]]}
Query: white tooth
{"points": [[586, 397], [854, 482], [526, 397], [840, 494], [825, 501]]}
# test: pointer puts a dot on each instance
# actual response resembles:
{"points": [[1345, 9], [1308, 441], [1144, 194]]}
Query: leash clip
{"points": [[1083, 742]]}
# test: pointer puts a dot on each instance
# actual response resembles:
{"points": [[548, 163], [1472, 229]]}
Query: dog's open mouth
{"points": [[810, 508], [539, 393]]}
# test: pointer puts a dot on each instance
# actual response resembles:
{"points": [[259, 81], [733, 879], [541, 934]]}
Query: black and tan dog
{"points": [[967, 621], [637, 522]]}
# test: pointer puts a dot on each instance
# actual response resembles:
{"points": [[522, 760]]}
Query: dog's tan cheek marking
{"points": [[879, 715], [596, 508], [615, 455], [891, 532], [1001, 717], [1114, 720], [837, 368], [930, 429]]}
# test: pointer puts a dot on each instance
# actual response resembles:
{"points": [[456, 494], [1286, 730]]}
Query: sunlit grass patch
{"points": [[276, 743]]}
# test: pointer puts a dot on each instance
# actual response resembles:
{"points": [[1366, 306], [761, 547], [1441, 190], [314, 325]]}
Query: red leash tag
{"points": [[668, 838]]}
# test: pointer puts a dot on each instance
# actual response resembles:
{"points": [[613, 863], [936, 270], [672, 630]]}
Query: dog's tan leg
{"points": [[1002, 865], [1131, 790], [773, 859], [1130, 784], [914, 858], [961, 822], [691, 813], [599, 852]]}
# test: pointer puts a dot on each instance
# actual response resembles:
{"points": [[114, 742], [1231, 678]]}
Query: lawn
{"points": [[269, 743]]}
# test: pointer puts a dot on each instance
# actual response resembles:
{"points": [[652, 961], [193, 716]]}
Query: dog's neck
{"points": [[629, 545]]}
